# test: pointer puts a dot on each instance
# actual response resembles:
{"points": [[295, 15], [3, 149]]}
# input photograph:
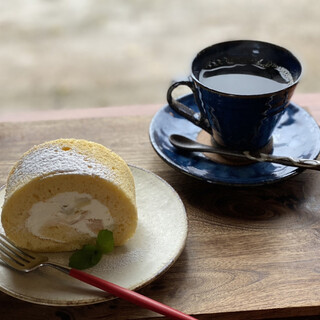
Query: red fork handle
{"points": [[129, 295]]}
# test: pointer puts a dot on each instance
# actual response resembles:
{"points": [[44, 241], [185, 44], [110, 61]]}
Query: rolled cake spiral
{"points": [[61, 193]]}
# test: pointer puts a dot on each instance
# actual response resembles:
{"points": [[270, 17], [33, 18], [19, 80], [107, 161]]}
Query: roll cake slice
{"points": [[61, 193]]}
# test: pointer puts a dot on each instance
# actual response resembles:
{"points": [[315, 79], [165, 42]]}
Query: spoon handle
{"points": [[185, 143], [288, 161]]}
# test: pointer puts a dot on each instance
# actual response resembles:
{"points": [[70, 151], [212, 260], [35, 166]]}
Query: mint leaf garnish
{"points": [[86, 257], [90, 255], [105, 241]]}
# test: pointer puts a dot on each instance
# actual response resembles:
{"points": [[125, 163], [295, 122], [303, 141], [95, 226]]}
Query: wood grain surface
{"points": [[251, 253]]}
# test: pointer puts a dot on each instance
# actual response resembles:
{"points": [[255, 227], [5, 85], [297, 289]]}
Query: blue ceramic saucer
{"points": [[296, 135]]}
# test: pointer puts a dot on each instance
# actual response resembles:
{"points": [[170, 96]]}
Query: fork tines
{"points": [[12, 255]]}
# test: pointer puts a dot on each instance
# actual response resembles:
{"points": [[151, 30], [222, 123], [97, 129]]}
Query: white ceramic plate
{"points": [[157, 243]]}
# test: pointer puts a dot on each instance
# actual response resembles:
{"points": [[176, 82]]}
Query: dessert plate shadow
{"points": [[155, 246], [296, 135]]}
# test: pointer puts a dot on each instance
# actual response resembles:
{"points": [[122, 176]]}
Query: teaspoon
{"points": [[184, 143]]}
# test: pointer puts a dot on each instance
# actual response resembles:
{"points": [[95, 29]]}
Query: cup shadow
{"points": [[292, 203]]}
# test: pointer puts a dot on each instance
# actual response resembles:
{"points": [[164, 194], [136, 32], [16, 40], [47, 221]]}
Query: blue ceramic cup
{"points": [[241, 89]]}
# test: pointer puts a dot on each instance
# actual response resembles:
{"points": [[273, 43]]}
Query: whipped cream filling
{"points": [[78, 211]]}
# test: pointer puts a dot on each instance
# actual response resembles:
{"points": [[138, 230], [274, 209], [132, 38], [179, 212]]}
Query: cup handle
{"points": [[195, 117]]}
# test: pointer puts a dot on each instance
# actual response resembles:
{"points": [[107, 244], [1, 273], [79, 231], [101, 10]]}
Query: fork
{"points": [[27, 261]]}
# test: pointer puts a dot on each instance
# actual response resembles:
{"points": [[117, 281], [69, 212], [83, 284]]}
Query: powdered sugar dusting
{"points": [[54, 160]]}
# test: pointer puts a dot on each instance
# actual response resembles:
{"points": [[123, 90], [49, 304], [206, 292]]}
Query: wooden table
{"points": [[251, 253]]}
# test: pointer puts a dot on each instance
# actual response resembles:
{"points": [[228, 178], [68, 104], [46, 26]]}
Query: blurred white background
{"points": [[92, 53]]}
